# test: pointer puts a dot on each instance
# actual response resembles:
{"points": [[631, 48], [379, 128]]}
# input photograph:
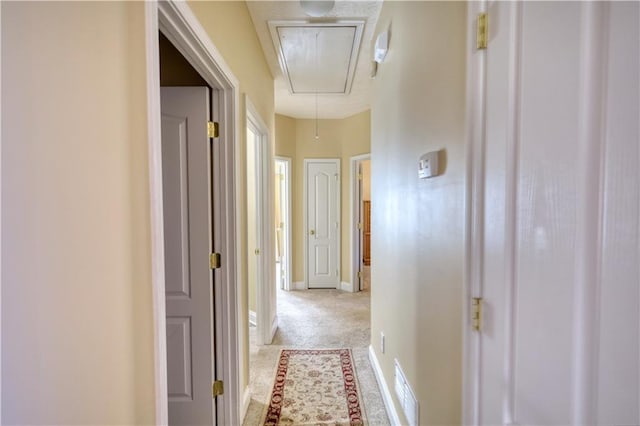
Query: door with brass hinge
{"points": [[190, 318], [552, 332]]}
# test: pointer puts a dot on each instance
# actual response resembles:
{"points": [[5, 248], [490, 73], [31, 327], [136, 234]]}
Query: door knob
{"points": [[312, 232]]}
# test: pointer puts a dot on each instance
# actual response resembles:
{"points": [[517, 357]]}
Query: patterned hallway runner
{"points": [[315, 387]]}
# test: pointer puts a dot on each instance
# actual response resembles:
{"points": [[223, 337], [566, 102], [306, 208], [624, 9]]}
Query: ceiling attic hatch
{"points": [[317, 57]]}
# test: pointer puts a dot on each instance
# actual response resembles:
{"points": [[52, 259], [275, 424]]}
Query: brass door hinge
{"points": [[476, 313], [218, 388], [482, 31], [212, 129], [359, 225], [360, 176], [214, 261], [359, 274]]}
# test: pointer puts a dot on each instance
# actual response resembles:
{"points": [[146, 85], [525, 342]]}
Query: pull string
{"points": [[316, 58]]}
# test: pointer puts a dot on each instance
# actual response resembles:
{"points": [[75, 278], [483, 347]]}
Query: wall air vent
{"points": [[317, 57], [406, 397]]}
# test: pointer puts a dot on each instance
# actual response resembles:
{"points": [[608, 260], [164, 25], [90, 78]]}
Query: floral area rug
{"points": [[315, 387]]}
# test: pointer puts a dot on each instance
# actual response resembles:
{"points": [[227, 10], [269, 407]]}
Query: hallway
{"points": [[311, 320], [507, 275]]}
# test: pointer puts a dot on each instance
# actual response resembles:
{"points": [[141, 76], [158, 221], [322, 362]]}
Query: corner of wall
{"points": [[246, 400], [347, 286]]}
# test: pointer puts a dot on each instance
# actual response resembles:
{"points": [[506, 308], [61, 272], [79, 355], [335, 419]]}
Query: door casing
{"points": [[177, 22], [267, 319], [355, 200], [287, 222], [598, 46]]}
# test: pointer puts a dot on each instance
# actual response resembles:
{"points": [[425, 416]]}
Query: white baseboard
{"points": [[384, 389], [345, 286], [246, 400], [298, 285], [253, 318]]}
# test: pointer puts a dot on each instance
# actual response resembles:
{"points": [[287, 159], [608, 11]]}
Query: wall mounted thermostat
{"points": [[381, 46], [428, 165]]}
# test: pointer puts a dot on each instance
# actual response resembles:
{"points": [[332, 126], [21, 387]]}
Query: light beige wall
{"points": [[341, 139], [285, 136], [356, 140], [416, 298], [77, 331], [229, 26], [286, 147]]}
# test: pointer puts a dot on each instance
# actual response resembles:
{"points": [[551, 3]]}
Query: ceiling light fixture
{"points": [[317, 8]]}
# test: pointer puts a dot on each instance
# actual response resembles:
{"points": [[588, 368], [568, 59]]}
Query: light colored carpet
{"points": [[317, 319]]}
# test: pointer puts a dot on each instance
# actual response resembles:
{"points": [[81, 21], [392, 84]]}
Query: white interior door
{"points": [[322, 179], [187, 233], [554, 247]]}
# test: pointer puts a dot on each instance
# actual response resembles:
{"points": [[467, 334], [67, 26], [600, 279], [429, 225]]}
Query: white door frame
{"points": [[288, 240], [0, 231], [356, 247], [589, 206], [305, 214], [180, 26], [265, 281], [474, 215]]}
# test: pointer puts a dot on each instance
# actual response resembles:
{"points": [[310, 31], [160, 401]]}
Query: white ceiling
{"points": [[329, 105]]}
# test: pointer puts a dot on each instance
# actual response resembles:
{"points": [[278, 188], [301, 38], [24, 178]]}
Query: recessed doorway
{"points": [[283, 222], [361, 222], [260, 251]]}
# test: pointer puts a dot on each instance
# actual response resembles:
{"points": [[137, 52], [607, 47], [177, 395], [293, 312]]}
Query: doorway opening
{"points": [[365, 220], [361, 222], [187, 215], [254, 211], [322, 222], [260, 252], [184, 32], [283, 223]]}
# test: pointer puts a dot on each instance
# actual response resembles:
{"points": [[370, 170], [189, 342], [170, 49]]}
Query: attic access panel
{"points": [[317, 57]]}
